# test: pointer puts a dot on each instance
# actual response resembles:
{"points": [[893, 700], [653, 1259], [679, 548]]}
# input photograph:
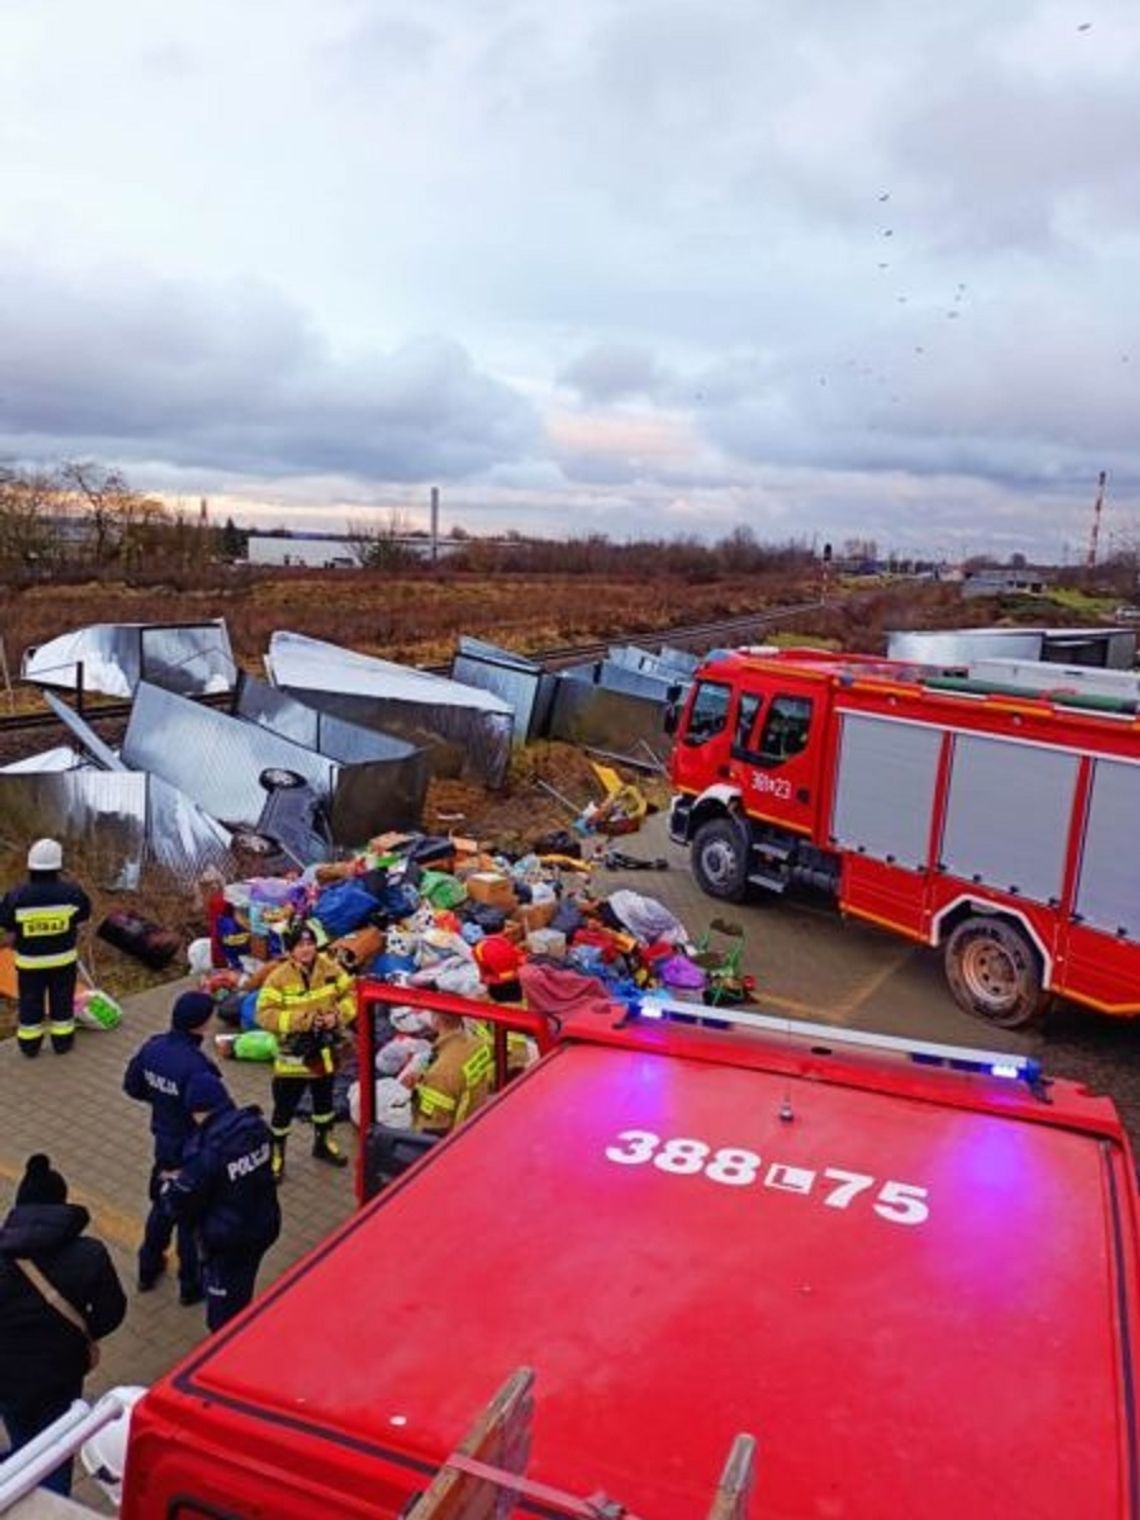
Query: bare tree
{"points": [[383, 546], [29, 500]]}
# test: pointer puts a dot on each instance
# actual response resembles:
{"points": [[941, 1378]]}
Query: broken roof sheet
{"points": [[192, 658], [303, 664]]}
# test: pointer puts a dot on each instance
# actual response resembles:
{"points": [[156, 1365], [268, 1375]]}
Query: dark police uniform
{"points": [[225, 1188], [44, 914], [159, 1074]]}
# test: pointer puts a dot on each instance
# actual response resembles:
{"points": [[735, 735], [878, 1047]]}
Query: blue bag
{"points": [[343, 907]]}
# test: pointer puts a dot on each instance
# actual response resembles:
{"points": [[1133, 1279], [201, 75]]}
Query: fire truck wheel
{"points": [[994, 972], [720, 860]]}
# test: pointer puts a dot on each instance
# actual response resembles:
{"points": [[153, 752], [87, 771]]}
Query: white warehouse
{"points": [[314, 553]]}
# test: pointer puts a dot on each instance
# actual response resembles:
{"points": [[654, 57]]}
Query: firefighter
{"points": [[457, 1080], [225, 1191], [306, 1002], [42, 919], [159, 1074]]}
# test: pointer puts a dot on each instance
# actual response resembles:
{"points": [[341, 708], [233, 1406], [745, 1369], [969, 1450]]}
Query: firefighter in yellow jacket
{"points": [[457, 1080], [306, 1002]]}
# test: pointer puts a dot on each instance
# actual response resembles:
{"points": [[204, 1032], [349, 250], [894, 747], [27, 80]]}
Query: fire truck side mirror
{"points": [[672, 717]]}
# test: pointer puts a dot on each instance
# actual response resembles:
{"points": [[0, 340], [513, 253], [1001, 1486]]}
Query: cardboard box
{"points": [[534, 916], [491, 887]]}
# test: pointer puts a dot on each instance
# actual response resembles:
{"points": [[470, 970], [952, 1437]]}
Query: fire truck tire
{"points": [[994, 972], [720, 859]]}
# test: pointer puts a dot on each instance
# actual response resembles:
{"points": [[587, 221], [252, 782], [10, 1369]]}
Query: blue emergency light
{"points": [[990, 1063]]}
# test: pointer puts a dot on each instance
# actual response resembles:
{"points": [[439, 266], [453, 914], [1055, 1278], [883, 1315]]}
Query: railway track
{"points": [[694, 637]]}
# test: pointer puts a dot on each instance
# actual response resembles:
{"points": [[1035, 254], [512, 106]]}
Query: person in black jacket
{"points": [[159, 1074], [225, 1188], [44, 1357], [42, 919]]}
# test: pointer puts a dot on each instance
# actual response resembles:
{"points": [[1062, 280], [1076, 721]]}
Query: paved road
{"points": [[811, 964]]}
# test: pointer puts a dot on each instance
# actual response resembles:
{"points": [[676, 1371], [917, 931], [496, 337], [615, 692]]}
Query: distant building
{"points": [[1004, 582], [313, 553]]}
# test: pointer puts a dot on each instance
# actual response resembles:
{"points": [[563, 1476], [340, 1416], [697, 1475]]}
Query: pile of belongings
{"points": [[427, 911]]}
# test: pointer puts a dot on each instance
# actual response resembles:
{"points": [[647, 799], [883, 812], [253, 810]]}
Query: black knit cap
{"points": [[40, 1184], [191, 1010]]}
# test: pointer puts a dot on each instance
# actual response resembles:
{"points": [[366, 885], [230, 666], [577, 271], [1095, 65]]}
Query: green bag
{"points": [[441, 889], [255, 1045]]}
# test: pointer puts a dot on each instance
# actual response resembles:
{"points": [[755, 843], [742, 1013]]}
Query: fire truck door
{"points": [[777, 767], [702, 756]]}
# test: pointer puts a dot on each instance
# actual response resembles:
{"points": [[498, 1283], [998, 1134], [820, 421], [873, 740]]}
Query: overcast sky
{"points": [[828, 267]]}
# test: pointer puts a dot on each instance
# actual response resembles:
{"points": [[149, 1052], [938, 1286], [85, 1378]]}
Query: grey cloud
{"points": [[612, 371], [234, 378]]}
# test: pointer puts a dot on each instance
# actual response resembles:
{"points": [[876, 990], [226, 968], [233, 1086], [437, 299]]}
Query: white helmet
{"points": [[45, 855]]}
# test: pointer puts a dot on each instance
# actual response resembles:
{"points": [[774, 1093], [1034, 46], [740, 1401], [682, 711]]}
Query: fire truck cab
{"points": [[892, 1279], [995, 821]]}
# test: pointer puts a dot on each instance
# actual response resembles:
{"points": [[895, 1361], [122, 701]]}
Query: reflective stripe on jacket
{"points": [[457, 1082], [288, 1004], [44, 917]]}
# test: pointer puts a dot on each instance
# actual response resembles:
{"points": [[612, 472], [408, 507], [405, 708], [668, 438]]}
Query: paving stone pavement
{"points": [[73, 1107]]}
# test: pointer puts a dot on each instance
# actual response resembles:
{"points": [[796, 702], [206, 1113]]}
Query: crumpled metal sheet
{"points": [[61, 758], [464, 731], [192, 658], [668, 666], [623, 724], [621, 678], [180, 836], [381, 781], [217, 760], [297, 662], [213, 758], [518, 681]]}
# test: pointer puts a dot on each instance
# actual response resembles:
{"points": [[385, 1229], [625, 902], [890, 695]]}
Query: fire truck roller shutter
{"points": [[884, 791], [720, 857]]}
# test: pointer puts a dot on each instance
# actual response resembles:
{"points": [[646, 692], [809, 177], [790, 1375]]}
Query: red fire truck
{"points": [[995, 822], [889, 1279]]}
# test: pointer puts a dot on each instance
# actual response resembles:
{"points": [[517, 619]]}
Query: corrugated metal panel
{"points": [[669, 666], [213, 758], [278, 712], [180, 836], [1007, 818], [884, 790], [102, 812], [1108, 896]]}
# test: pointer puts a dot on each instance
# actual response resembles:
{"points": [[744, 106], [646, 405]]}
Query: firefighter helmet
{"points": [[45, 855]]}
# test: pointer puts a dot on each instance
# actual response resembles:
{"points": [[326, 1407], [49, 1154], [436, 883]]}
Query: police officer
{"points": [[42, 917], [225, 1189], [159, 1074]]}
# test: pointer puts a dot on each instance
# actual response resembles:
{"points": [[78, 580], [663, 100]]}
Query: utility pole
{"points": [[434, 524], [1098, 508]]}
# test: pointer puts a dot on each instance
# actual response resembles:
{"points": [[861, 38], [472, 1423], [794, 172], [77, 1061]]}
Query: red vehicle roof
{"points": [[974, 1361]]}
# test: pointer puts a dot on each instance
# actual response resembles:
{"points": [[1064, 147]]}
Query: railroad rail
{"points": [[693, 636]]}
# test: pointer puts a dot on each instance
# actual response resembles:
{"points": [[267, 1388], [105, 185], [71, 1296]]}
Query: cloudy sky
{"points": [[634, 266]]}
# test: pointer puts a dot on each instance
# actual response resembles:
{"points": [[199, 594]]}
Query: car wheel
{"points": [[276, 778], [251, 842]]}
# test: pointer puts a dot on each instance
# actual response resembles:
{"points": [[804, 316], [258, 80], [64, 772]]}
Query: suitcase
{"points": [[147, 941]]}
